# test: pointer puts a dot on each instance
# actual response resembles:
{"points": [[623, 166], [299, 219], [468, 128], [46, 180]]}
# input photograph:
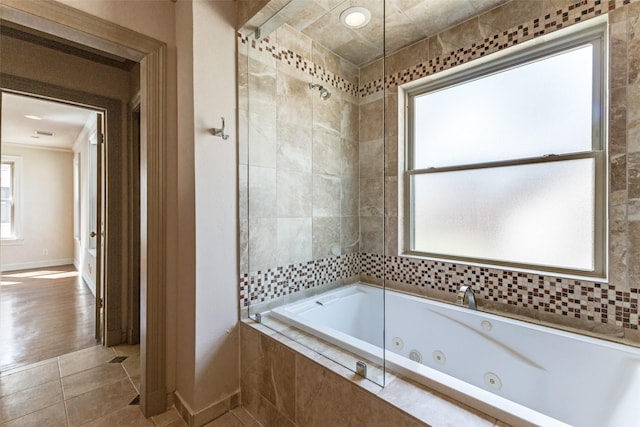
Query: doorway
{"points": [[51, 252], [77, 28]]}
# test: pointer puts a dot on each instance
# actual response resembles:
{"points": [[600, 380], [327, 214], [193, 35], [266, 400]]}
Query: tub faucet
{"points": [[467, 291]]}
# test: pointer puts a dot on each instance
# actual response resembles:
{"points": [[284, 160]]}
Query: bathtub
{"points": [[518, 372]]}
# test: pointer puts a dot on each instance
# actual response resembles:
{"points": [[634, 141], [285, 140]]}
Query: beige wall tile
{"points": [[371, 234], [618, 173], [326, 237], [618, 121], [371, 159], [371, 120], [294, 240], [407, 57], [633, 164], [262, 192], [618, 36], [292, 39], [391, 196], [326, 59], [634, 248], [326, 196], [276, 382], [349, 120], [618, 244], [460, 36], [372, 71], [294, 194], [349, 196], [391, 236], [350, 234], [633, 12], [509, 15], [371, 197], [262, 243], [327, 153], [327, 114], [349, 166]]}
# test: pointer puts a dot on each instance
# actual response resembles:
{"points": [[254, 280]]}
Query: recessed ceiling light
{"points": [[29, 116], [355, 17]]}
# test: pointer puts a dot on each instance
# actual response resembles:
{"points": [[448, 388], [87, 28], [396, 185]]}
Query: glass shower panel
{"points": [[312, 185]]}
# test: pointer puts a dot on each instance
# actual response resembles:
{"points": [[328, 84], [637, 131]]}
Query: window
{"points": [[10, 209], [506, 161]]}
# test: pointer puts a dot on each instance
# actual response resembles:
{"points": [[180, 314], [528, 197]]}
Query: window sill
{"points": [[12, 242]]}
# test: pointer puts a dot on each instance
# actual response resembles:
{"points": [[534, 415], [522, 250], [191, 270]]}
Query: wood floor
{"points": [[44, 313]]}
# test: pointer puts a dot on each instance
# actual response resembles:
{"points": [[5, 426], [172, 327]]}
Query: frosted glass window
{"points": [[507, 159], [540, 213], [535, 109]]}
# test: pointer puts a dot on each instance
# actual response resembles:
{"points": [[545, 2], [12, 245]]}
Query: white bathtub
{"points": [[518, 372]]}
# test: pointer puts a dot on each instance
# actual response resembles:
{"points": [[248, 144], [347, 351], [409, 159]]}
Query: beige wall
{"points": [[156, 19], [46, 199], [217, 333], [202, 291]]}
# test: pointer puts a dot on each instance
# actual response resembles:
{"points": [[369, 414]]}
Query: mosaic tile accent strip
{"points": [[266, 285], [297, 61], [577, 12], [580, 299]]}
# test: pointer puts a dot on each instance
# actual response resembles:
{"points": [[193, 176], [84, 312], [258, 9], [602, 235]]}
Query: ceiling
{"points": [[407, 21], [64, 121]]}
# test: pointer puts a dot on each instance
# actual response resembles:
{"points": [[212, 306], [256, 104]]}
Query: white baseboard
{"points": [[36, 264], [90, 283]]}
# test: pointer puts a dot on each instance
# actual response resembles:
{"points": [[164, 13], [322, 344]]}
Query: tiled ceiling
{"points": [[407, 21]]}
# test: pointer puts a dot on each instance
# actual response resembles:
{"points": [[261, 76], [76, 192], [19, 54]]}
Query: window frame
{"points": [[16, 199], [594, 33]]}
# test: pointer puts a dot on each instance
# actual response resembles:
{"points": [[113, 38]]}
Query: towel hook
{"points": [[220, 131]]}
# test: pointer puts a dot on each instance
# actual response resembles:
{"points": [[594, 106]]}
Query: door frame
{"points": [[67, 23]]}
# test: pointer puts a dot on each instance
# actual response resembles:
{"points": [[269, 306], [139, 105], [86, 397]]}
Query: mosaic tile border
{"points": [[561, 18], [266, 285], [580, 299], [296, 60]]}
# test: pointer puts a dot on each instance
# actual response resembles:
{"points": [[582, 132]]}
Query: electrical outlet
{"points": [[45, 252]]}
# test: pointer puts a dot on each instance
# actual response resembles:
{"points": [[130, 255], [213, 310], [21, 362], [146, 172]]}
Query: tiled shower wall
{"points": [[577, 303], [299, 174]]}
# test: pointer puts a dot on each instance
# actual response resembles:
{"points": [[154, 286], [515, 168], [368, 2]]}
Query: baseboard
{"points": [[90, 283], [36, 264], [206, 415]]}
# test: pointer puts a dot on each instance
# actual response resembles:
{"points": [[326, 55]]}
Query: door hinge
{"points": [[100, 302]]}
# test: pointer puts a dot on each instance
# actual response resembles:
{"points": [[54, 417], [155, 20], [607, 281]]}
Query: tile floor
{"points": [[88, 388]]}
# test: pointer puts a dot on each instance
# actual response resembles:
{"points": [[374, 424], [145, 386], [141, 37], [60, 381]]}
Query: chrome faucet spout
{"points": [[467, 291]]}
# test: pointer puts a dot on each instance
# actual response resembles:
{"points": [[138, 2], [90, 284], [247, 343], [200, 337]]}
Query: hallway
{"points": [[44, 313]]}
